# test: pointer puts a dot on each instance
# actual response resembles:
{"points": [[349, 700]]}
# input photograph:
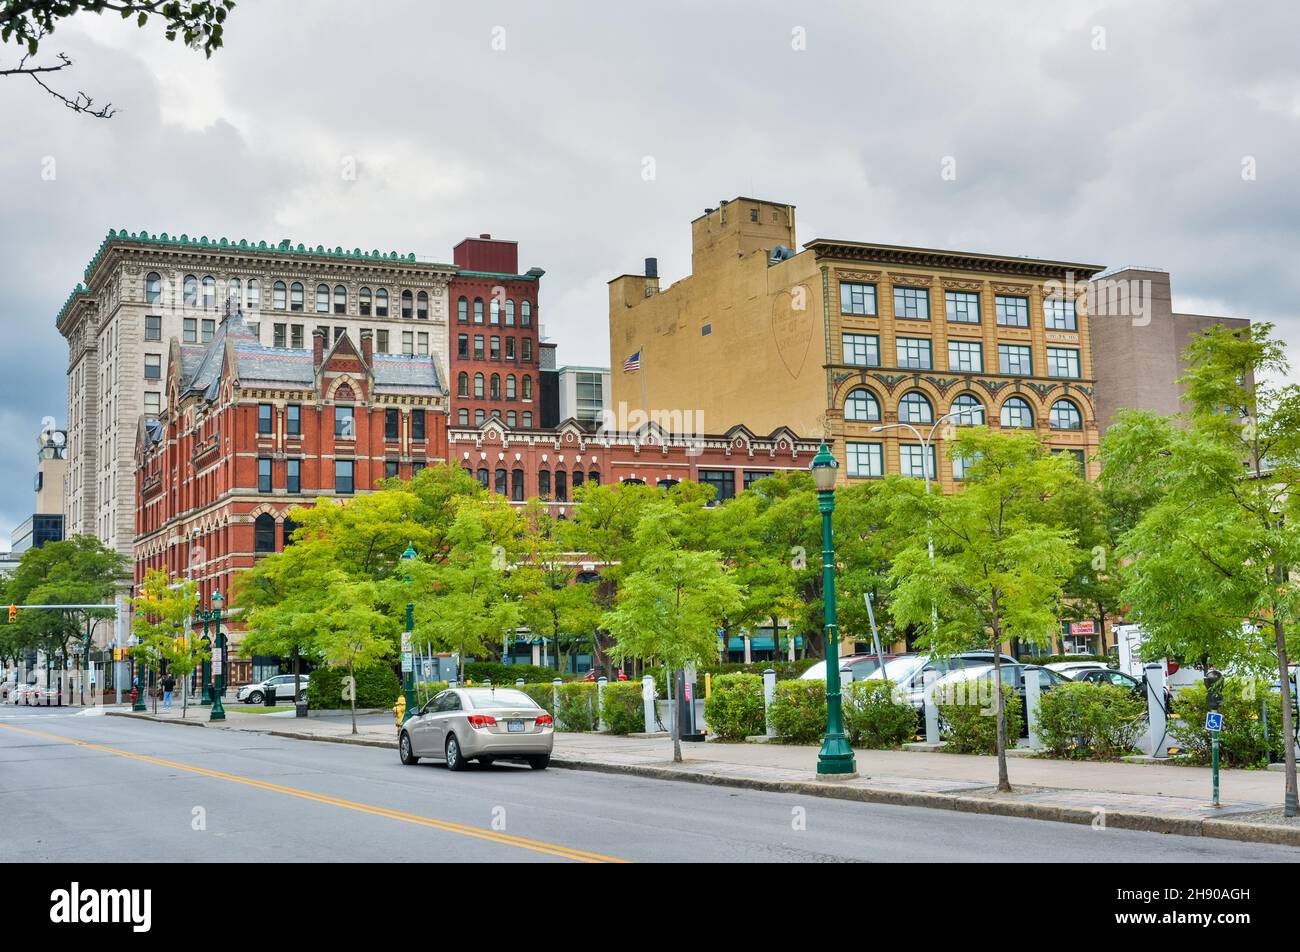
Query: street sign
{"points": [[406, 642], [1214, 721], [428, 669], [408, 662], [216, 662]]}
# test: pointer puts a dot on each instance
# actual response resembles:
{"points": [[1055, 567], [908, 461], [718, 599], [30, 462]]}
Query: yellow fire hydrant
{"points": [[399, 709]]}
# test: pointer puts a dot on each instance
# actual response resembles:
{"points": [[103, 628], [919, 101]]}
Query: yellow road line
{"points": [[493, 836]]}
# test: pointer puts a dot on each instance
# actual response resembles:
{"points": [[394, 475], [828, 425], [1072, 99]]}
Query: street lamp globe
{"points": [[823, 469], [410, 551], [218, 599]]}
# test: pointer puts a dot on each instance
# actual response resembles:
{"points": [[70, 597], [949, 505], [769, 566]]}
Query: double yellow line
{"points": [[491, 836]]}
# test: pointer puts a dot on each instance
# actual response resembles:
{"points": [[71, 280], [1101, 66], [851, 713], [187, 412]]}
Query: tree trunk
{"points": [[1288, 728], [1004, 782], [352, 676], [297, 676]]}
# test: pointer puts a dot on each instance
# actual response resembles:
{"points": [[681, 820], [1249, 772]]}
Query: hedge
{"points": [[876, 717], [577, 708], [972, 724], [1095, 721], [377, 686], [785, 671], [543, 694], [500, 674], [1241, 742], [624, 709], [734, 709], [798, 710]]}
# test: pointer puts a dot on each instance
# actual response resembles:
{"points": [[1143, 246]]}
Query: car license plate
{"points": [[515, 726]]}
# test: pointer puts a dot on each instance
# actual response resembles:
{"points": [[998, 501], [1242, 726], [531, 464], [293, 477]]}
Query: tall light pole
{"points": [[408, 675], [218, 661], [836, 758]]}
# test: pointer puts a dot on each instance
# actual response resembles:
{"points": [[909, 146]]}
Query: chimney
{"points": [[486, 237], [652, 267], [367, 346], [318, 347]]}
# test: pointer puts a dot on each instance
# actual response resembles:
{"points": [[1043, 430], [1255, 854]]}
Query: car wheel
{"points": [[405, 752], [455, 760], [254, 698], [539, 761]]}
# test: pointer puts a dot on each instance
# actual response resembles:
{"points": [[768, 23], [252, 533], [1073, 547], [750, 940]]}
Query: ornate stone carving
{"points": [[910, 280]]}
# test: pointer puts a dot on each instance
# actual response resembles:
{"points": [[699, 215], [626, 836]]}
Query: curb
{"points": [[156, 720]]}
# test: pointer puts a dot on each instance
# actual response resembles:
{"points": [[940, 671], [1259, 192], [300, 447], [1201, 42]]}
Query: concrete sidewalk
{"points": [[1156, 797]]}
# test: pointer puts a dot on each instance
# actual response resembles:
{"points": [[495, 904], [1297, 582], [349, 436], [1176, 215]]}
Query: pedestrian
{"points": [[168, 685]]}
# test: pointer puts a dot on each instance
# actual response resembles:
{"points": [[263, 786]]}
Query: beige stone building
{"points": [[141, 291], [844, 337]]}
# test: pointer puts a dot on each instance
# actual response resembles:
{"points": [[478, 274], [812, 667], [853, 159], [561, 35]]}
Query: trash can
{"points": [[300, 709], [269, 696]]}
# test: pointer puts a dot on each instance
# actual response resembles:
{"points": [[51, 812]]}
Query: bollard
{"points": [[555, 700], [1032, 697], [600, 702], [769, 694], [929, 679], [1155, 682], [648, 702], [519, 682]]}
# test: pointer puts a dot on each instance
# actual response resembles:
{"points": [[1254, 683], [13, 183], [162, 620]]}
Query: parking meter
{"points": [[1214, 723]]}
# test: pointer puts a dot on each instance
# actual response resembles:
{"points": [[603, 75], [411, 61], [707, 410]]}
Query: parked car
{"points": [[11, 692], [1108, 676], [909, 671], [282, 684], [1071, 668], [861, 666], [483, 724], [1013, 675]]}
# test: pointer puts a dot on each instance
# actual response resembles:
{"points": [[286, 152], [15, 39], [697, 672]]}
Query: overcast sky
{"points": [[1107, 132]]}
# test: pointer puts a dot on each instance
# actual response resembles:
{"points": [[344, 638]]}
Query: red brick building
{"points": [[251, 431], [494, 362]]}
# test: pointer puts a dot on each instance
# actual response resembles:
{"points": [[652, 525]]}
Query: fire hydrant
{"points": [[134, 694], [399, 709]]}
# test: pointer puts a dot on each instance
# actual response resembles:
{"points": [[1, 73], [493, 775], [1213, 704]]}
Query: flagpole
{"points": [[645, 405]]}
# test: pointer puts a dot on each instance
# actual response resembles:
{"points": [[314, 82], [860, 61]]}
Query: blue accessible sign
{"points": [[1213, 721]]}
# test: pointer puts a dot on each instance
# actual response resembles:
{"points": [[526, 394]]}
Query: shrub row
{"points": [[1093, 721], [972, 728], [1241, 742], [377, 686], [498, 673]]}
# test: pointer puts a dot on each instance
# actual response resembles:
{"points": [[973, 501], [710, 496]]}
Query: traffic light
{"points": [[13, 614]]}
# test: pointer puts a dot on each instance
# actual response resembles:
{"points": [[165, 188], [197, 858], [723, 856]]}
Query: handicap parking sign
{"points": [[1213, 721]]}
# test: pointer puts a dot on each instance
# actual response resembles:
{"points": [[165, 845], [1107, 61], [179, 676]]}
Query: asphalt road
{"points": [[76, 787]]}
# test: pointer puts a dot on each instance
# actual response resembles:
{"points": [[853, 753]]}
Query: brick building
{"points": [[249, 431], [495, 358]]}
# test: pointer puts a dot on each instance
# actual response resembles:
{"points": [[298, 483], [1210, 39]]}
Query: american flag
{"points": [[632, 363]]}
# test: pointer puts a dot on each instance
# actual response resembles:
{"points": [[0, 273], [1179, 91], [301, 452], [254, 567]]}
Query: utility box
{"points": [[684, 689]]}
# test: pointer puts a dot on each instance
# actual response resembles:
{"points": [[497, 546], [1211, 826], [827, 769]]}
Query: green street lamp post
{"points": [[408, 662], [205, 667], [139, 704], [219, 660], [836, 758]]}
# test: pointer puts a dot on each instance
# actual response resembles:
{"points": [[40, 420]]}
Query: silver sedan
{"points": [[483, 724]]}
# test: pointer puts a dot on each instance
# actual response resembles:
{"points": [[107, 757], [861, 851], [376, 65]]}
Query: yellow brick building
{"points": [[843, 338]]}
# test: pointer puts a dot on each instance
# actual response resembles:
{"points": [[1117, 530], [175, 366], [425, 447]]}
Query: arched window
{"points": [[1066, 416], [295, 296], [667, 483], [462, 417], [364, 301], [593, 477], [407, 303], [561, 486], [254, 294], [478, 386], [577, 478], [915, 408], [422, 305], [484, 477], [235, 292], [462, 384], [494, 310], [544, 483], [510, 312], [478, 310], [969, 411], [264, 534], [279, 295], [1017, 414], [496, 387], [191, 296], [528, 419], [633, 481], [862, 405], [209, 291], [510, 386], [287, 529], [462, 310], [517, 485], [322, 298], [340, 299], [152, 288], [501, 487], [381, 302], [525, 314], [527, 393]]}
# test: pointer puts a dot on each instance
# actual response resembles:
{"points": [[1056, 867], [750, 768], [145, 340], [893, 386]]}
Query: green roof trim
{"points": [[77, 292], [531, 275]]}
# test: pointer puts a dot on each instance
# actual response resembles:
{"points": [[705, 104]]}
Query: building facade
{"points": [[584, 394], [142, 290], [849, 338], [495, 361]]}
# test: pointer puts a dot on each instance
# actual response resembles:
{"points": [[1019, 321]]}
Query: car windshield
{"points": [[900, 669], [494, 700]]}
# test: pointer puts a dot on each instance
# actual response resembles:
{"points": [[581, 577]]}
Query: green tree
{"points": [[670, 606], [353, 628], [1214, 558], [999, 565], [162, 612], [553, 603]]}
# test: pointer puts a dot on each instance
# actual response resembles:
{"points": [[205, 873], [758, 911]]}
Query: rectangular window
{"points": [[279, 335], [295, 337], [462, 347], [913, 303], [390, 468], [381, 341], [293, 475], [961, 465], [1063, 362], [293, 419], [752, 476], [722, 480], [392, 424], [865, 460], [152, 403], [343, 472], [1058, 315], [510, 348], [153, 327], [478, 346], [966, 356], [862, 350], [1015, 359], [914, 353], [345, 424], [963, 306], [417, 424], [912, 460], [528, 350], [209, 329], [408, 343], [857, 298], [191, 330], [494, 348], [153, 366], [263, 474], [422, 343], [1012, 311], [265, 418]]}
